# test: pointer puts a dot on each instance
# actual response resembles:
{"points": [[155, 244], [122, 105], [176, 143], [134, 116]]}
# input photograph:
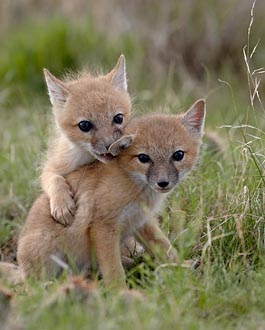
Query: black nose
{"points": [[163, 184]]}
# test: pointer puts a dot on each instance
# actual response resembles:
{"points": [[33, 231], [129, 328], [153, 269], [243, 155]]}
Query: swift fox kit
{"points": [[117, 200], [90, 114]]}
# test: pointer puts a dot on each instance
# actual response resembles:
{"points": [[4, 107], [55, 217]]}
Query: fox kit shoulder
{"points": [[160, 150], [90, 114]]}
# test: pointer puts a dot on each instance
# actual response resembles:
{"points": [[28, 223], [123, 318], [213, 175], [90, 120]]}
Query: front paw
{"points": [[63, 209]]}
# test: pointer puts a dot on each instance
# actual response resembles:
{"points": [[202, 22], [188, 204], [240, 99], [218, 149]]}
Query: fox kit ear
{"points": [[118, 75], [56, 88], [123, 143], [194, 118]]}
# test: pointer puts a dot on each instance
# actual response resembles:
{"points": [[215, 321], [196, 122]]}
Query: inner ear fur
{"points": [[194, 118], [118, 76], [57, 90]]}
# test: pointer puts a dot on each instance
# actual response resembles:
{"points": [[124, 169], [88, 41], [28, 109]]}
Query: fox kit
{"points": [[90, 114], [117, 200]]}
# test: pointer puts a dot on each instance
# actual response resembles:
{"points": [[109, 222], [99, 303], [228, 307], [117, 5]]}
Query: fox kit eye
{"points": [[143, 158], [118, 119], [85, 126], [178, 155]]}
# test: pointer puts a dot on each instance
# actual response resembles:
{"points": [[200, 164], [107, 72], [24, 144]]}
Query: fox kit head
{"points": [[91, 112], [164, 149]]}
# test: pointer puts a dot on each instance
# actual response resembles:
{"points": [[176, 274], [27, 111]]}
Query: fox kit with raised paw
{"points": [[90, 114], [117, 200]]}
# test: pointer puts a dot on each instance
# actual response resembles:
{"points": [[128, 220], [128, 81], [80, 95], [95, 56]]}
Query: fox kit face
{"points": [[165, 148], [91, 112]]}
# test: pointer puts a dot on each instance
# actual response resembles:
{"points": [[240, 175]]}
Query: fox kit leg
{"points": [[61, 198], [155, 241], [34, 254], [106, 242]]}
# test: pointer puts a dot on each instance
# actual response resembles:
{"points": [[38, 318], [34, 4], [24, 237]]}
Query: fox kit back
{"points": [[90, 114], [120, 199]]}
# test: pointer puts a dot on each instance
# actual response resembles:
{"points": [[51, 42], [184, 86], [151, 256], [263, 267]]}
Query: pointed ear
{"points": [[123, 143], [56, 88], [194, 118], [118, 75]]}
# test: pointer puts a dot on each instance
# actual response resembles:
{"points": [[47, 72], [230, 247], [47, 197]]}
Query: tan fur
{"points": [[11, 272], [116, 201], [94, 99]]}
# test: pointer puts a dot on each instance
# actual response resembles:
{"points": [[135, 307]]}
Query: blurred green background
{"points": [[179, 47]]}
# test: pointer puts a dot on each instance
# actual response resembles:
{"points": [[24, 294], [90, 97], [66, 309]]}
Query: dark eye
{"points": [[143, 158], [178, 155], [85, 125], [118, 119]]}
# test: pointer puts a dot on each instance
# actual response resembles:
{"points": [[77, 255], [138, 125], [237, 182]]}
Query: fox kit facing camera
{"points": [[90, 114], [117, 200]]}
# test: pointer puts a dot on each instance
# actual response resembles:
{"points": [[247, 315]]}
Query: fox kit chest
{"points": [[136, 213]]}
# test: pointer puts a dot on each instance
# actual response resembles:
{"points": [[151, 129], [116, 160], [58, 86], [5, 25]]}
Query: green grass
{"points": [[174, 298], [217, 215]]}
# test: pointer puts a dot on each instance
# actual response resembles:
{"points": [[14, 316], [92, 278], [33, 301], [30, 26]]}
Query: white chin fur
{"points": [[162, 191]]}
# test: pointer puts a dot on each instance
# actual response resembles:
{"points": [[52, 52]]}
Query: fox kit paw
{"points": [[63, 208]]}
